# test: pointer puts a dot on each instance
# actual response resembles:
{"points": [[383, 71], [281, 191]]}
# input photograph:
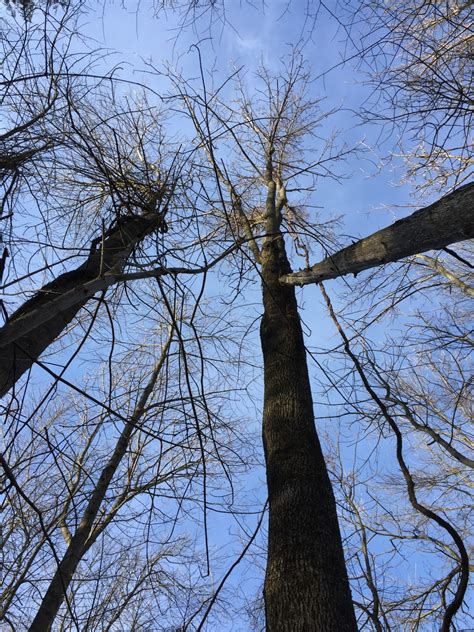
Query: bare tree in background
{"points": [[412, 395], [420, 62], [102, 499], [137, 440]]}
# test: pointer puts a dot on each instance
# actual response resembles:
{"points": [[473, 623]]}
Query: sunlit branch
{"points": [[447, 221]]}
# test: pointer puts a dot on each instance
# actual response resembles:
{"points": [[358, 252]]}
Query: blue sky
{"points": [[367, 199]]}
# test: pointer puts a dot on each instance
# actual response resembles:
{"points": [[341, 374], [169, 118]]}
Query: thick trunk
{"points": [[306, 584], [39, 321], [447, 221]]}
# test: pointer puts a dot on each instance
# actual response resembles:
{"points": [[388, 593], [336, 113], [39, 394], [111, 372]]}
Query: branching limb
{"points": [[447, 221], [463, 569], [39, 321], [58, 587], [443, 271]]}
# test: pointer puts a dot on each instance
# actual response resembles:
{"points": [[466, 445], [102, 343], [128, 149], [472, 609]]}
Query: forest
{"points": [[236, 272]]}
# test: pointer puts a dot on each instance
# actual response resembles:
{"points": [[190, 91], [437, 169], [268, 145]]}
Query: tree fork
{"points": [[306, 584]]}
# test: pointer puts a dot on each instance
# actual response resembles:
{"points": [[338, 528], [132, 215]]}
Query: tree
{"points": [[38, 97], [306, 584], [419, 57], [72, 545], [73, 480], [232, 197], [425, 414]]}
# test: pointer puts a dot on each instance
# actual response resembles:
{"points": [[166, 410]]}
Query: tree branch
{"points": [[41, 319], [446, 221]]}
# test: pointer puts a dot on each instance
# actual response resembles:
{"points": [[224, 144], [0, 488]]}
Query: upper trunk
{"points": [[306, 584], [40, 323], [447, 221]]}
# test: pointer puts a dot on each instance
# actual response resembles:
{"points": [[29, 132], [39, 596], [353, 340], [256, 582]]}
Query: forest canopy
{"points": [[191, 441]]}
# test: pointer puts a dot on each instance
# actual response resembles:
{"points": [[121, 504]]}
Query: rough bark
{"points": [[39, 321], [306, 585], [447, 221]]}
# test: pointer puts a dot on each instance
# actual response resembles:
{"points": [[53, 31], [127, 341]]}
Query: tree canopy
{"points": [[160, 205]]}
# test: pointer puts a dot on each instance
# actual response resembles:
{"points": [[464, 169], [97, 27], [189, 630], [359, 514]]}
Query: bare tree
{"points": [[92, 175], [103, 192], [143, 221], [115, 477], [419, 56], [413, 392], [306, 583]]}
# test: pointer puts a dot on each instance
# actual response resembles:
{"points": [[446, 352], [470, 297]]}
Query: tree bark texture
{"points": [[447, 221], [306, 585], [38, 321]]}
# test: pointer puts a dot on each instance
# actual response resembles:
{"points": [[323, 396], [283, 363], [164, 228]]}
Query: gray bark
{"points": [[39, 321], [447, 221]]}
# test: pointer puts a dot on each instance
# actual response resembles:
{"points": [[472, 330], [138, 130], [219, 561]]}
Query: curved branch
{"points": [[456, 603]]}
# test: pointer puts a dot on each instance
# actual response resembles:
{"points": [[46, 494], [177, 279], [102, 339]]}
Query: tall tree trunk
{"points": [[39, 321], [306, 585]]}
